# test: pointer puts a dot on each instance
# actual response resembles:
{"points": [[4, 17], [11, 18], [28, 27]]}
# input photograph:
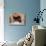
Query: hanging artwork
{"points": [[17, 19]]}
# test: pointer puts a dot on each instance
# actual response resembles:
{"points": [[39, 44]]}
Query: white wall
{"points": [[1, 21]]}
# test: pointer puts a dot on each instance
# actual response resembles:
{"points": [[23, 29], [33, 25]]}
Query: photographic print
{"points": [[17, 19]]}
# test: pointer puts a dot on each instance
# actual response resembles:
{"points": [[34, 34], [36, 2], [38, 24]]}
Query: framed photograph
{"points": [[17, 19]]}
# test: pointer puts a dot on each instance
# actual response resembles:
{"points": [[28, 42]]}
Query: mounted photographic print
{"points": [[17, 19]]}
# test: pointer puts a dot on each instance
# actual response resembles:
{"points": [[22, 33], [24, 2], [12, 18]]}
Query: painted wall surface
{"points": [[43, 6], [29, 8]]}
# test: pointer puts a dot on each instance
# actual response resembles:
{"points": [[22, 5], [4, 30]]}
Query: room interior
{"points": [[28, 34]]}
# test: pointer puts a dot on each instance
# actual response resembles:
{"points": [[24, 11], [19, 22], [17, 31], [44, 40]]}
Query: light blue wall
{"points": [[43, 6], [29, 8]]}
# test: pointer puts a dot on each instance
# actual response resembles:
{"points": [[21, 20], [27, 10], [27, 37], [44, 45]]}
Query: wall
{"points": [[43, 6], [1, 21], [29, 8]]}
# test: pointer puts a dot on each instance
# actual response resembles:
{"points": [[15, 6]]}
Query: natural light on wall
{"points": [[1, 20]]}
